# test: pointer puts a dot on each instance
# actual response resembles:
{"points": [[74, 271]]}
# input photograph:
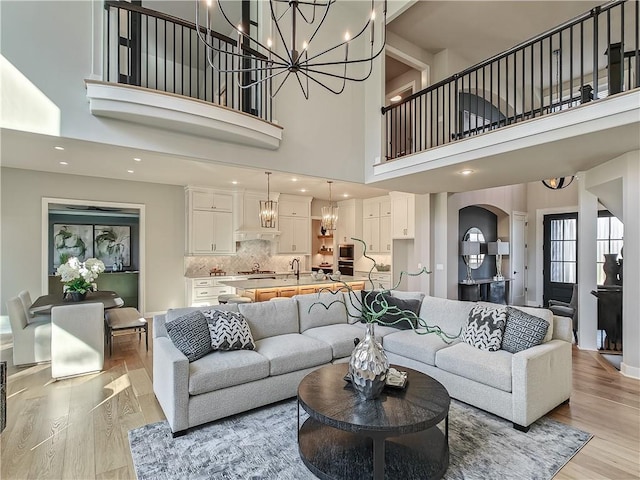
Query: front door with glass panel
{"points": [[560, 256]]}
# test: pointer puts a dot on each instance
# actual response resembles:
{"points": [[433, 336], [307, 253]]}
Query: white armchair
{"points": [[77, 339], [25, 298], [31, 341]]}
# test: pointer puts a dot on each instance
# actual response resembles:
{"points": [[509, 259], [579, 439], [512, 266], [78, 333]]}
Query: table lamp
{"points": [[498, 248], [466, 250]]}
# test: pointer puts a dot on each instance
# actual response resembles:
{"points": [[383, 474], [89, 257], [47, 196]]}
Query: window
{"points": [[609, 239], [563, 250]]}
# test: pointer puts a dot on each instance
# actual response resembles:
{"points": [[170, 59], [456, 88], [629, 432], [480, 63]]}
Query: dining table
{"points": [[44, 303]]}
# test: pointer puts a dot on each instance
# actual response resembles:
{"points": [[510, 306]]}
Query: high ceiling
{"points": [[456, 25]]}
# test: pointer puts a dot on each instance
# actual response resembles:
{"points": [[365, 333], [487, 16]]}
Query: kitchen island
{"points": [[262, 290]]}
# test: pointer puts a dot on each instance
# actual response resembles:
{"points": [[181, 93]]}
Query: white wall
{"points": [[21, 236], [59, 39]]}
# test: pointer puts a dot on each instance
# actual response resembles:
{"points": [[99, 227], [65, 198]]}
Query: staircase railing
{"points": [[588, 58], [158, 51]]}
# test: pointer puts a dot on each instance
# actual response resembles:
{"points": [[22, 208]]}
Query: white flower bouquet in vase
{"points": [[79, 277]]}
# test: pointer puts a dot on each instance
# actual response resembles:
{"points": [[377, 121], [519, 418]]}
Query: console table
{"points": [[346, 436], [486, 290]]}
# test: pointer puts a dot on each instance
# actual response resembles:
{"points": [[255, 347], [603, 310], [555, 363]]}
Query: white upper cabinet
{"points": [[209, 222], [203, 199], [294, 223], [402, 215], [376, 224]]}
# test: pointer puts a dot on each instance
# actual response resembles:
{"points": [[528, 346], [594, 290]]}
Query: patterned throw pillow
{"points": [[190, 334], [485, 327], [523, 331], [229, 331]]}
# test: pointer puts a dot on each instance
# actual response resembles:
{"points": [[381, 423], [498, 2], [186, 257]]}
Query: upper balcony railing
{"points": [[588, 58], [157, 51]]}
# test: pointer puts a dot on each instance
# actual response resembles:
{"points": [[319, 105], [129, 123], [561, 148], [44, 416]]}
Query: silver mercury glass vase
{"points": [[368, 366]]}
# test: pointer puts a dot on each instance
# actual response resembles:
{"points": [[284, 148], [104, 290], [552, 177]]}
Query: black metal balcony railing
{"points": [[590, 57], [157, 51]]}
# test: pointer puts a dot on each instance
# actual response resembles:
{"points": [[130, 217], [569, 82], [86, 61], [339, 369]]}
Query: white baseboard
{"points": [[531, 303], [629, 371]]}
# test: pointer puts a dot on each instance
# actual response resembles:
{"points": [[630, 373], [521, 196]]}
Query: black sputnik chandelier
{"points": [[303, 58]]}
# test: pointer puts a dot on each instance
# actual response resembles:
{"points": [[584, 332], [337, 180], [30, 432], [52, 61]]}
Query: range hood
{"points": [[244, 234]]}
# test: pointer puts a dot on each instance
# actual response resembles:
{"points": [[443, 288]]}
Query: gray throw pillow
{"points": [[485, 327], [229, 331], [190, 334], [523, 331], [396, 312]]}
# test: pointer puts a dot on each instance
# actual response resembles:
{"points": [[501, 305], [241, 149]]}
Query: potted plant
{"points": [[369, 366], [79, 277]]}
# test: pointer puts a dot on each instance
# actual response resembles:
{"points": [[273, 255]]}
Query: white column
{"points": [[587, 303], [631, 268], [440, 251]]}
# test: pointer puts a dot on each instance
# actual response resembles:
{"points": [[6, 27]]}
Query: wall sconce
{"points": [[498, 248], [466, 250]]}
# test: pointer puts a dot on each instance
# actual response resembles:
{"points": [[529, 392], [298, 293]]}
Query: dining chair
{"points": [[31, 341], [77, 339], [25, 298]]}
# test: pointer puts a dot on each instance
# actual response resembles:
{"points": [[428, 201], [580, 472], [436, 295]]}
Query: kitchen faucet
{"points": [[256, 267], [295, 266]]}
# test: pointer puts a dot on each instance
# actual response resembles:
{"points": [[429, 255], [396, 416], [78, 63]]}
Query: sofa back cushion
{"points": [[319, 310], [450, 315], [174, 313], [268, 319], [392, 310]]}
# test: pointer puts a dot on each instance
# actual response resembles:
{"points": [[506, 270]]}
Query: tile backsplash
{"points": [[247, 254]]}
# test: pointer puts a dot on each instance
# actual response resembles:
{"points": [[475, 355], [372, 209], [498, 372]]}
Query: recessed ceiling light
{"points": [[64, 163], [137, 159], [234, 182], [129, 171], [303, 190], [397, 98], [345, 195], [466, 171], [58, 147], [294, 179]]}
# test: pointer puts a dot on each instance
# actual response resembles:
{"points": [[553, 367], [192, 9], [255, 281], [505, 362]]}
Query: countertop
{"points": [[230, 275], [285, 282]]}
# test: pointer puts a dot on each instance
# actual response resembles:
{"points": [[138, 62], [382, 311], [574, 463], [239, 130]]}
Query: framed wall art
{"points": [[71, 241], [113, 245]]}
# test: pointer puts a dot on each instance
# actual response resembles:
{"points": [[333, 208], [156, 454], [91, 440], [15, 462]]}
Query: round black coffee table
{"points": [[394, 436]]}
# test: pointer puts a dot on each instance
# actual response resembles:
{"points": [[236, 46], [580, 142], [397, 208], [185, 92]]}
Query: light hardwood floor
{"points": [[77, 428]]}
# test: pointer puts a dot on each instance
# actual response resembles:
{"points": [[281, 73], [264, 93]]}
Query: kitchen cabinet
{"points": [[294, 223], [287, 292], [350, 223], [203, 199], [376, 224], [211, 232], [295, 235], [402, 215], [209, 222], [289, 207], [371, 234], [204, 291], [381, 280]]}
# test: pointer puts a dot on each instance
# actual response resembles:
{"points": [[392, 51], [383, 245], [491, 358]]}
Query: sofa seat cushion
{"points": [[489, 368], [340, 337], [409, 344], [222, 369], [292, 352]]}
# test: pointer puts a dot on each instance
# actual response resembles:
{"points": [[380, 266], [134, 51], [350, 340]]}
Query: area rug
{"points": [[262, 444]]}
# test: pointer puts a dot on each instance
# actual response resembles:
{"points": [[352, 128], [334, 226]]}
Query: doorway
{"points": [[560, 256], [99, 214]]}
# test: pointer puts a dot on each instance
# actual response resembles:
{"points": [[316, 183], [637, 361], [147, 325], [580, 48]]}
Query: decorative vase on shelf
{"points": [[611, 268], [368, 366], [75, 296]]}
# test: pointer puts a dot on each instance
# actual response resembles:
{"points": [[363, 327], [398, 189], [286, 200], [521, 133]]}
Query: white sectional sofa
{"points": [[293, 338]]}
